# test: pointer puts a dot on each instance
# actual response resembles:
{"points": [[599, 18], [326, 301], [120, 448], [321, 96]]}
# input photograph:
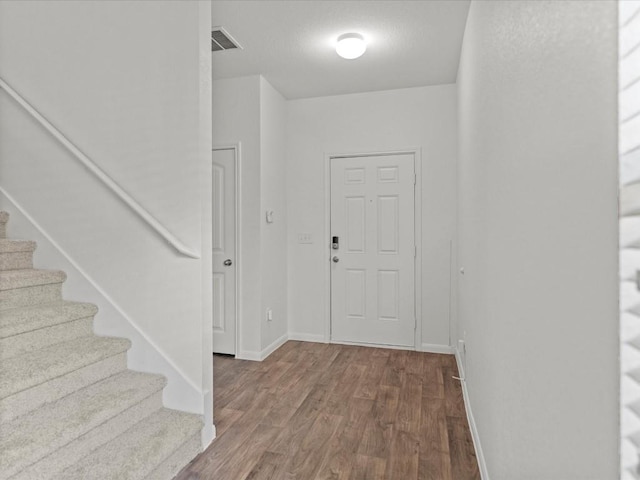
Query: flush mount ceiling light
{"points": [[351, 45]]}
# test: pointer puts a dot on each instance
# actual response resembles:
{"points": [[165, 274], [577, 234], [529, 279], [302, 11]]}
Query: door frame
{"points": [[417, 213], [237, 152]]}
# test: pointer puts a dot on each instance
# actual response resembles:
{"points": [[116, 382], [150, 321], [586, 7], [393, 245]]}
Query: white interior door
{"points": [[372, 270], [224, 251]]}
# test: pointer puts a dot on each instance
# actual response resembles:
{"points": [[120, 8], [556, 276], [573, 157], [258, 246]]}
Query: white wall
{"points": [[127, 82], [236, 120], [249, 112], [422, 117], [273, 194], [538, 236]]}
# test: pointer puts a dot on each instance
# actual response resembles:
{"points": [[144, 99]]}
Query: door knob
{"points": [[335, 259], [227, 262]]}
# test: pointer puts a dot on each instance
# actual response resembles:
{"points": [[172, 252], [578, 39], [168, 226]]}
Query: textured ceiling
{"points": [[291, 43]]}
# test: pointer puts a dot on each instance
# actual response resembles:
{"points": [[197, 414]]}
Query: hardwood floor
{"points": [[317, 411]]}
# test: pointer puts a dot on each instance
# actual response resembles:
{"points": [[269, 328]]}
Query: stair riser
{"points": [[22, 373], [51, 466], [27, 296], [25, 320], [26, 401], [178, 459], [16, 260], [44, 337]]}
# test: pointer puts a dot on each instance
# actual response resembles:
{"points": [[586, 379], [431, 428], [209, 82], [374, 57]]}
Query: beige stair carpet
{"points": [[69, 408]]}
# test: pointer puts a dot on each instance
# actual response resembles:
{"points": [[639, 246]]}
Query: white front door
{"points": [[373, 266], [224, 251]]}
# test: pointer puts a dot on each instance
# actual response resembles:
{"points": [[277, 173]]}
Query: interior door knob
{"points": [[335, 259], [227, 262]]}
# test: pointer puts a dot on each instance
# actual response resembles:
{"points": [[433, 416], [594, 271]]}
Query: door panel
{"points": [[388, 224], [388, 285], [356, 224], [373, 283], [356, 293], [224, 275]]}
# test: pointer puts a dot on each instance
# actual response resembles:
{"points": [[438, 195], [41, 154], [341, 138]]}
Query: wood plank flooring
{"points": [[317, 412]]}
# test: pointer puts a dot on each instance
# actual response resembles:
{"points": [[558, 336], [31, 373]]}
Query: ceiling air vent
{"points": [[221, 40]]}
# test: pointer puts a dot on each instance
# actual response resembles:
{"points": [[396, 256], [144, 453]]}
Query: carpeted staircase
{"points": [[69, 408]]}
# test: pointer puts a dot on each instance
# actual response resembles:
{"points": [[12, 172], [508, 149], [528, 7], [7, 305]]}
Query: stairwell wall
{"points": [[129, 84]]}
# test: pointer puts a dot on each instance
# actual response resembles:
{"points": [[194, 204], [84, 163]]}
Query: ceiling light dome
{"points": [[351, 45]]}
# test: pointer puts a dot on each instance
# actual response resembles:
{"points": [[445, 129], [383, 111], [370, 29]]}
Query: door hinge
{"points": [[415, 251], [415, 178]]}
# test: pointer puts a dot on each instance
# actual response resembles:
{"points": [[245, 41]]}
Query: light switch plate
{"points": [[305, 238]]}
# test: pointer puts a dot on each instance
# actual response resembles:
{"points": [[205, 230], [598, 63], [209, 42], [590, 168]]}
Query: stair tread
{"points": [[33, 368], [10, 279], [26, 319], [138, 451], [29, 438], [8, 245]]}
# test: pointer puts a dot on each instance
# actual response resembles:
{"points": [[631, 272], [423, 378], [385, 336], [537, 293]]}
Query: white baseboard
{"points": [[248, 355], [277, 343], [482, 465], [425, 347], [307, 337], [436, 348], [208, 432], [374, 345], [264, 353]]}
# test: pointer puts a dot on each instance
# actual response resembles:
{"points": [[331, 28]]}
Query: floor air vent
{"points": [[221, 40]]}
